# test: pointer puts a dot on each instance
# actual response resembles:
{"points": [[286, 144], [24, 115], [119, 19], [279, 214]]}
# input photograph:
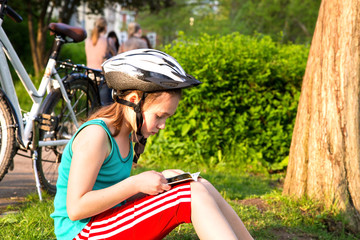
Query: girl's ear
{"points": [[133, 97]]}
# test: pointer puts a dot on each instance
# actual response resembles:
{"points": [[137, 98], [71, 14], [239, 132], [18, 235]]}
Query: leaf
{"points": [[185, 129]]}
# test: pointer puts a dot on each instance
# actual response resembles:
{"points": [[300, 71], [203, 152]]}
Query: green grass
{"points": [[256, 198], [28, 221]]}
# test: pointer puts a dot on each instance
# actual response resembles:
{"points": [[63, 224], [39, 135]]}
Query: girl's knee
{"points": [[204, 182], [172, 172], [197, 186], [199, 191]]}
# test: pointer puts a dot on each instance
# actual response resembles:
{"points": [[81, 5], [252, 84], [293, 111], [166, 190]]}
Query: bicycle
{"points": [[81, 80], [52, 120]]}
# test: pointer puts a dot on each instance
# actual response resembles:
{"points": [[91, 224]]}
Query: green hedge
{"points": [[244, 111]]}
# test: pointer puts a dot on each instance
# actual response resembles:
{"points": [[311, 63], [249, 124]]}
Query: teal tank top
{"points": [[113, 170]]}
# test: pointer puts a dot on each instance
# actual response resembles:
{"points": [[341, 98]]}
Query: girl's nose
{"points": [[161, 125]]}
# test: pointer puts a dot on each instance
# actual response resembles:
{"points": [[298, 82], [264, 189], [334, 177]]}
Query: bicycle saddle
{"points": [[77, 34]]}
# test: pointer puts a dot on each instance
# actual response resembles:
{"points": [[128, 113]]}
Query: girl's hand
{"points": [[151, 183]]}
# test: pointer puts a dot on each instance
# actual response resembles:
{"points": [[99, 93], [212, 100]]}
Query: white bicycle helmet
{"points": [[147, 70]]}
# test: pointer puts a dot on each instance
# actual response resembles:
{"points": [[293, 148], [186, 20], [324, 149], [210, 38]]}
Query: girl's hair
{"points": [[133, 28], [99, 27], [146, 39], [116, 112], [112, 34]]}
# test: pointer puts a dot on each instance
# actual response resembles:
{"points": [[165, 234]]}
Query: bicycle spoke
{"points": [[78, 99], [80, 112]]}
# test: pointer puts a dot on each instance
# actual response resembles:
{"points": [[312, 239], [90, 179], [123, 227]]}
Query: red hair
{"points": [[116, 112]]}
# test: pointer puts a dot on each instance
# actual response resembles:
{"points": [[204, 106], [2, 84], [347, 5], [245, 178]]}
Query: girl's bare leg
{"points": [[232, 218], [207, 218]]}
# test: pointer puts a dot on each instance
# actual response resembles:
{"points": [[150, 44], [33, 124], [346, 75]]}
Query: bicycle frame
{"points": [[37, 95]]}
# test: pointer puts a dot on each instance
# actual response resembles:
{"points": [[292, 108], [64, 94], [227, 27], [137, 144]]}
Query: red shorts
{"points": [[151, 217]]}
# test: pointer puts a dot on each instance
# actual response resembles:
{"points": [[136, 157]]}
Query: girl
{"points": [[134, 40], [97, 50], [96, 196], [96, 45]]}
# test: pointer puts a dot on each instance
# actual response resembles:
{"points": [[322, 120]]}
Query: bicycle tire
{"points": [[84, 98], [7, 136]]}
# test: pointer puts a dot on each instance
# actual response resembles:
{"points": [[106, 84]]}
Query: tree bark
{"points": [[42, 28], [32, 38], [67, 10], [37, 36], [324, 160]]}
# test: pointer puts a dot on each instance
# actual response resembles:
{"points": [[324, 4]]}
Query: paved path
{"points": [[18, 183]]}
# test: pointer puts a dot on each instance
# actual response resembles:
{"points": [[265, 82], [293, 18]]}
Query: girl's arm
{"points": [[90, 148]]}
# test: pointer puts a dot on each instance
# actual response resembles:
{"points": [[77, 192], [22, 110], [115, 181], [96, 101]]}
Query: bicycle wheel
{"points": [[7, 136], [84, 99]]}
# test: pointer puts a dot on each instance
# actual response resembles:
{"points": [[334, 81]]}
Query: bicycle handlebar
{"points": [[5, 9], [13, 14]]}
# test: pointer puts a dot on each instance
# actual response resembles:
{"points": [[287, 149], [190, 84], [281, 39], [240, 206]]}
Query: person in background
{"points": [[96, 44], [97, 51], [146, 39], [113, 43], [134, 40]]}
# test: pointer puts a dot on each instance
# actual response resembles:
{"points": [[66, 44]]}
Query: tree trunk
{"points": [[67, 10], [38, 41], [34, 56], [38, 35], [324, 161]]}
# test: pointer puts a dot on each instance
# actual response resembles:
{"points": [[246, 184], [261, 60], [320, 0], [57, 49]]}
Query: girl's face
{"points": [[157, 112]]}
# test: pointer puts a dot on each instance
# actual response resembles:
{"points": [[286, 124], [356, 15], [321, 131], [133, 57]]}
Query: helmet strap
{"points": [[141, 140]]}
